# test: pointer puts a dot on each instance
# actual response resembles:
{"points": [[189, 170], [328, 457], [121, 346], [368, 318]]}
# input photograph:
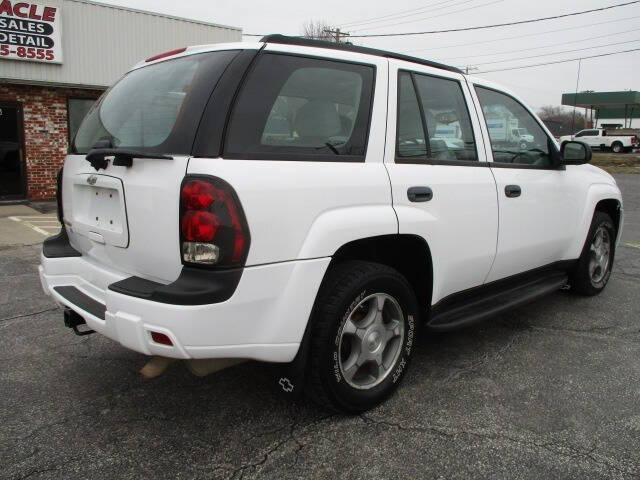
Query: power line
{"points": [[434, 16], [561, 61], [481, 27], [535, 34], [456, 3], [582, 40], [397, 14], [557, 53]]}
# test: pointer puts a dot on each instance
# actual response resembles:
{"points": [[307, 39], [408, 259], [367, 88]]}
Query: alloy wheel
{"points": [[371, 341], [599, 255]]}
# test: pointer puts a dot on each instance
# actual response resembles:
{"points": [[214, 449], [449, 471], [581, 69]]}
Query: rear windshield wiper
{"points": [[123, 157]]}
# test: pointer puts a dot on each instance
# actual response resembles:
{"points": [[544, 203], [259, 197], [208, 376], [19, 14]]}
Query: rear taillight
{"points": [[213, 228]]}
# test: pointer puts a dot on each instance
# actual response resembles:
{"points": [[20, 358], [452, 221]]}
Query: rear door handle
{"points": [[419, 194], [512, 191]]}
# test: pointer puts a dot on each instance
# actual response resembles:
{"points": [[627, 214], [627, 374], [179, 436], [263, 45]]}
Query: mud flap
{"points": [[289, 378]]}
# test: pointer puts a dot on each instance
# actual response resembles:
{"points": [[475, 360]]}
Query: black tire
{"points": [[345, 286], [581, 279], [617, 147]]}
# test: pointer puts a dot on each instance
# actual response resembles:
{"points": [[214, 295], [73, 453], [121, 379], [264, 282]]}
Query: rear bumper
{"points": [[264, 319]]}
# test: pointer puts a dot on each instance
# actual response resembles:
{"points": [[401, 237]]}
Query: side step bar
{"points": [[480, 306]]}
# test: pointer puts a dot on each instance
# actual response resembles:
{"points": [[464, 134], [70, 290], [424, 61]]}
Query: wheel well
{"points": [[408, 254], [610, 206]]}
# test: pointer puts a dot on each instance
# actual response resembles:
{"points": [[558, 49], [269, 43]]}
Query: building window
{"points": [[78, 109]]}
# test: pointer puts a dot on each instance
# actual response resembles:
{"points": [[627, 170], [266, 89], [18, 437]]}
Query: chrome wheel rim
{"points": [[371, 341], [599, 255]]}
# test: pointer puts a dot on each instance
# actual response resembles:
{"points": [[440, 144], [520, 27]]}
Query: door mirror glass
{"points": [[575, 153]]}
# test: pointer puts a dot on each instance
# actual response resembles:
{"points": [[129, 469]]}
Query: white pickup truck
{"points": [[289, 201], [600, 138]]}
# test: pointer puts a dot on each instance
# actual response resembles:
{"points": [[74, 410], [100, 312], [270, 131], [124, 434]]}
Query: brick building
{"points": [[56, 58]]}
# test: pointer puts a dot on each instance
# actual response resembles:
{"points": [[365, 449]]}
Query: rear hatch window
{"points": [[154, 109]]}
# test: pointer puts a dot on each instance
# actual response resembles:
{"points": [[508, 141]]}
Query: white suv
{"points": [[288, 201]]}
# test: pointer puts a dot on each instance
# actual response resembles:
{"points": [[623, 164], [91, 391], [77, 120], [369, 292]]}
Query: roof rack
{"points": [[306, 42]]}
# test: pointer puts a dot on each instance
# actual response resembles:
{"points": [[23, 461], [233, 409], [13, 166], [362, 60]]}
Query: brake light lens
{"points": [[199, 226], [213, 227], [170, 53]]}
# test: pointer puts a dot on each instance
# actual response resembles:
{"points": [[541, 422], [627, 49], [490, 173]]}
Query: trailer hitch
{"points": [[73, 320]]}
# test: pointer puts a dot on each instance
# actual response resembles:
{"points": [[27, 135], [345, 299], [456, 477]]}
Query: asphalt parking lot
{"points": [[551, 390]]}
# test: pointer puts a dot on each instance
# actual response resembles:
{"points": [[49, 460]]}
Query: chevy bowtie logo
{"points": [[286, 384]]}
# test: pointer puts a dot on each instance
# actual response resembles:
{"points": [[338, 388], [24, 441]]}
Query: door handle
{"points": [[512, 191], [419, 194]]}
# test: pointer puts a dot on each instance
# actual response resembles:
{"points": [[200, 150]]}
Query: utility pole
{"points": [[336, 34], [575, 99]]}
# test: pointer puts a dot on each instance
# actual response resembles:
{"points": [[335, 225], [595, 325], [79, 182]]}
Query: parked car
{"points": [[604, 139], [284, 201]]}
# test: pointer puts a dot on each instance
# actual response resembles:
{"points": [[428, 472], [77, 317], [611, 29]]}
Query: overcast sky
{"points": [[538, 86]]}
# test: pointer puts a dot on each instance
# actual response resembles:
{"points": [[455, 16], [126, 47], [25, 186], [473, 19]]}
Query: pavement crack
{"points": [[25, 315], [274, 447], [487, 358], [556, 448]]}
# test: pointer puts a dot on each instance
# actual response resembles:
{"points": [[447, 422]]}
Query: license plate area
{"points": [[99, 211]]}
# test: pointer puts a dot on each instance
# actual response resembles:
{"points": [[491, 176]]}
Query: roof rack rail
{"points": [[306, 42]]}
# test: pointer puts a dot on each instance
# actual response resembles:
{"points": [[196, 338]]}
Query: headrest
{"points": [[317, 118]]}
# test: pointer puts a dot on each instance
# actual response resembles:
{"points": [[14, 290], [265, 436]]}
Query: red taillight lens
{"points": [[213, 228], [199, 226], [197, 194]]}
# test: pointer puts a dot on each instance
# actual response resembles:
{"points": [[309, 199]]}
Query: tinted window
{"points": [[155, 108], [516, 137], [297, 108], [589, 133], [410, 141], [433, 121], [78, 109]]}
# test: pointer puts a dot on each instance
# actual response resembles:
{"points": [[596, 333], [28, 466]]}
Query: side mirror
{"points": [[575, 153]]}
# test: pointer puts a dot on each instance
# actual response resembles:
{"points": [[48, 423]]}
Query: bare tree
{"points": [[317, 30], [561, 120]]}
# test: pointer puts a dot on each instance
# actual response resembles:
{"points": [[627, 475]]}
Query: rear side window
{"points": [[299, 108], [155, 108], [589, 133], [433, 121]]}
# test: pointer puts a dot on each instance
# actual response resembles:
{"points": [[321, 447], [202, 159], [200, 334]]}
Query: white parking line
{"points": [[633, 244], [36, 228]]}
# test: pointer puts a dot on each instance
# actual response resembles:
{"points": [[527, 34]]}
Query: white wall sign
{"points": [[30, 31]]}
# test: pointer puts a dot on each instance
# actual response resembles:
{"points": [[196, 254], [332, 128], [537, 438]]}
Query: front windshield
{"points": [[147, 105]]}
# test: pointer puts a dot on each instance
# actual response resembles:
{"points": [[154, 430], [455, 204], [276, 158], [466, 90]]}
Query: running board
{"points": [[479, 306]]}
